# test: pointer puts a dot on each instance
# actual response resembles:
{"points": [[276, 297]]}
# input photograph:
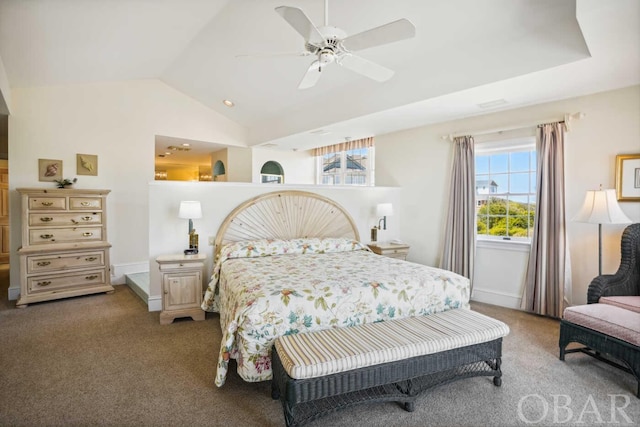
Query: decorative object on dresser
{"points": [[181, 279], [64, 250], [600, 207], [191, 210], [390, 249]]}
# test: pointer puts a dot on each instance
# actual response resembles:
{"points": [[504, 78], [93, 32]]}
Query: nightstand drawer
{"points": [[44, 203], [181, 265], [64, 235], [42, 263], [51, 283], [53, 219], [391, 250]]}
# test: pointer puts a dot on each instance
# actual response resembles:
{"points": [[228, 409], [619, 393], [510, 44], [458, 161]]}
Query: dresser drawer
{"points": [[83, 203], [48, 219], [43, 263], [47, 203], [53, 283], [62, 235]]}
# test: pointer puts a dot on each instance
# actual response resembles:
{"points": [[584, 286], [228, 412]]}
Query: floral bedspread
{"points": [[265, 289]]}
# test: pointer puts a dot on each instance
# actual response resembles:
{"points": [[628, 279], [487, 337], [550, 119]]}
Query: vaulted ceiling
{"points": [[466, 53]]}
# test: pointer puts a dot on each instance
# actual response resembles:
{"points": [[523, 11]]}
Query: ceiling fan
{"points": [[330, 44]]}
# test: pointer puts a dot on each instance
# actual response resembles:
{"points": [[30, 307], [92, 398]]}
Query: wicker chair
{"points": [[626, 281]]}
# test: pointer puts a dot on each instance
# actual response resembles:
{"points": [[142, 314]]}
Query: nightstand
{"points": [[392, 250], [181, 279]]}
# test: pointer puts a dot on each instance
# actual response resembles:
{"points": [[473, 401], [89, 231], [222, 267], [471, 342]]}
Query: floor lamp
{"points": [[601, 207]]}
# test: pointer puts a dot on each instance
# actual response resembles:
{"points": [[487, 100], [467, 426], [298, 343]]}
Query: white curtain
{"points": [[548, 278], [460, 233]]}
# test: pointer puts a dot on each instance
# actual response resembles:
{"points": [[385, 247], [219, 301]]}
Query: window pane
{"points": [[520, 161], [499, 163], [532, 179], [519, 183], [482, 164], [501, 183]]}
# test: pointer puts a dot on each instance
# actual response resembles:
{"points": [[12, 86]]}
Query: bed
{"points": [[291, 261]]}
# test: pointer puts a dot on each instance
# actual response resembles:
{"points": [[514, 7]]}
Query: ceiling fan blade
{"points": [[303, 25], [311, 77], [392, 32], [365, 67], [272, 54]]}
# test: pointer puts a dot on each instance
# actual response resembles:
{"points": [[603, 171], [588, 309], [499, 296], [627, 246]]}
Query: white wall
{"points": [[5, 91], [418, 160], [299, 166], [168, 233], [118, 122]]}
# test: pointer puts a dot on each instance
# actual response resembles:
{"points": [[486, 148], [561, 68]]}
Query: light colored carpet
{"points": [[105, 360]]}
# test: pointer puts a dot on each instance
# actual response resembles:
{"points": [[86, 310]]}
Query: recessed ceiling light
{"points": [[186, 144], [228, 103], [269, 145], [320, 132], [491, 104]]}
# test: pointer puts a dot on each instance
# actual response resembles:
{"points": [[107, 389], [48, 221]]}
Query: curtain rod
{"points": [[567, 121]]}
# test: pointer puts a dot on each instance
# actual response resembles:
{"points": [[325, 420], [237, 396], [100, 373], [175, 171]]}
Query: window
{"points": [[350, 167], [506, 189], [272, 173]]}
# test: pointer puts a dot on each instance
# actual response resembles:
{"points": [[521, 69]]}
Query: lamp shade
{"points": [[601, 207], [384, 209], [190, 210]]}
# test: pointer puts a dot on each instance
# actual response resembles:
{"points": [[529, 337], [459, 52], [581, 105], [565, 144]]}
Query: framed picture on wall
{"points": [[87, 164], [49, 170], [628, 177]]}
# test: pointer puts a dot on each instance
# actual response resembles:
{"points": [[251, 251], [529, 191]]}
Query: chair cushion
{"points": [[627, 302], [607, 319], [330, 351]]}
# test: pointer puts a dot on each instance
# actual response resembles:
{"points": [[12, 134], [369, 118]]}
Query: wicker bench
{"points": [[320, 372], [609, 328]]}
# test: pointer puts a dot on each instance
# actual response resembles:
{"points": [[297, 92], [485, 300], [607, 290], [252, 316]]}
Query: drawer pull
{"points": [[91, 258], [43, 263], [87, 234], [46, 236], [91, 277], [86, 218], [46, 203], [46, 219], [44, 283], [85, 203]]}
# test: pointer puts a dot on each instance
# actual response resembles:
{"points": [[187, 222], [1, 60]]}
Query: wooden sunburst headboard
{"points": [[286, 215]]}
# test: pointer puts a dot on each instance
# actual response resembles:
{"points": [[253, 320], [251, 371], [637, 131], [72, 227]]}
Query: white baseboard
{"points": [[502, 299], [119, 270], [13, 294], [155, 303]]}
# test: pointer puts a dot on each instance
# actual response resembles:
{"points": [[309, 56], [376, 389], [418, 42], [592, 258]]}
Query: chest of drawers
{"points": [[64, 250]]}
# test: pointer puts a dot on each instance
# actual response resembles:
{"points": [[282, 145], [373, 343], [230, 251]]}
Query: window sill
{"points": [[504, 245]]}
